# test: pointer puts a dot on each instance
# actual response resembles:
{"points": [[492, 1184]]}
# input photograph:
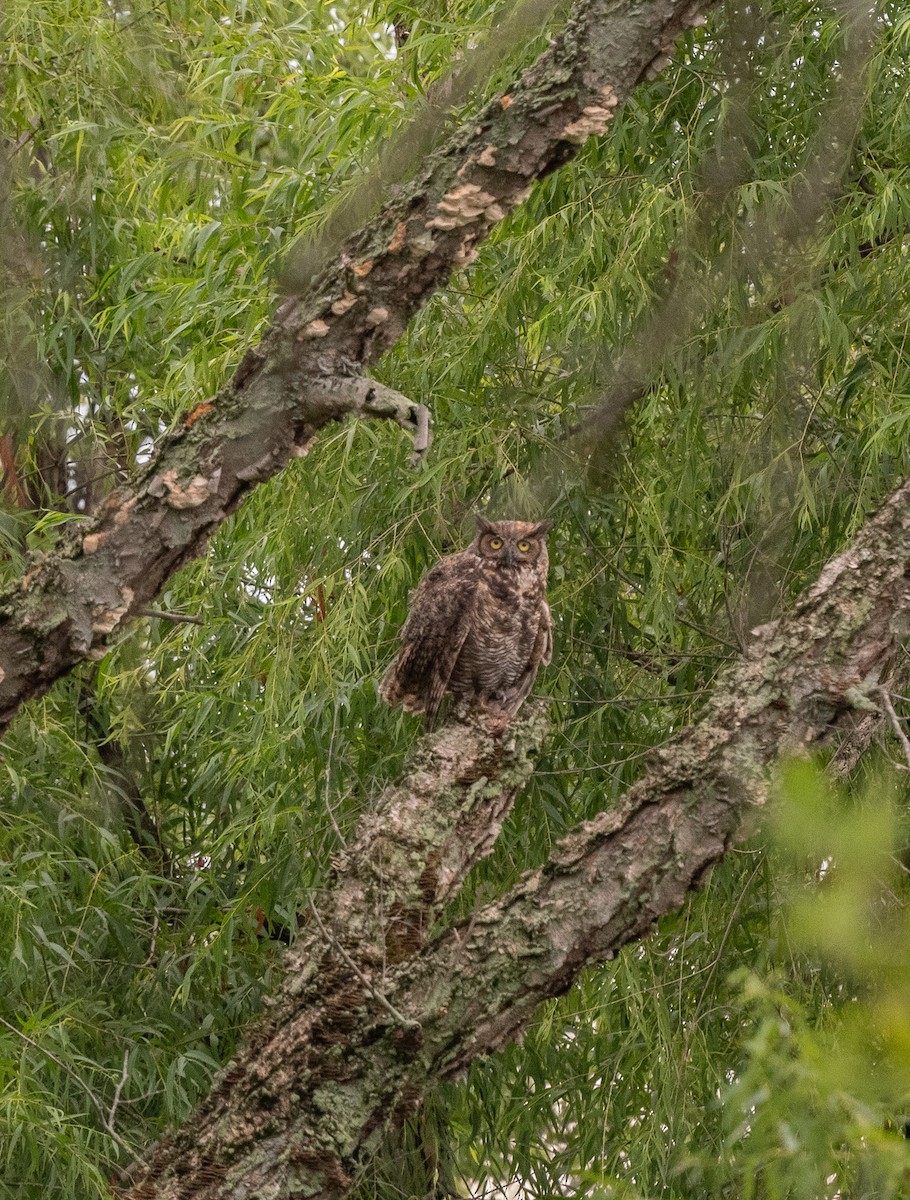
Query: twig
{"points": [[24, 138], [151, 954], [896, 725], [682, 620], [77, 1079], [734, 625], [118, 1090], [707, 633], [365, 980], [328, 775], [164, 614]]}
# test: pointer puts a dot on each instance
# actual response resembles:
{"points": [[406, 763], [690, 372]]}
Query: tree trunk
{"points": [[377, 1005], [352, 306]]}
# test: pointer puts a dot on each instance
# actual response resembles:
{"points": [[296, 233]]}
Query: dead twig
{"points": [[114, 1103], [80, 1082], [896, 726], [163, 614]]}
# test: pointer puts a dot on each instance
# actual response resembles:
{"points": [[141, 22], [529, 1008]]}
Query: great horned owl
{"points": [[479, 625]]}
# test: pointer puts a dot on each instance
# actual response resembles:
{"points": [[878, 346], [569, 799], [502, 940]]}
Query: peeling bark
{"points": [[377, 1005], [303, 374], [308, 1099], [810, 681], [380, 999]]}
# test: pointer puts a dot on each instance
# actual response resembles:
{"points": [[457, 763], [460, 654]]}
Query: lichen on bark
{"points": [[357, 1035], [293, 383]]}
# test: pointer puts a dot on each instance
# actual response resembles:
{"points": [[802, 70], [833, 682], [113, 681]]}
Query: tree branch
{"points": [[303, 1106], [261, 1127], [304, 374], [809, 681]]}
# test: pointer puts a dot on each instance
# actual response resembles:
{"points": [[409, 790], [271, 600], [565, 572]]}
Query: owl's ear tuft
{"points": [[483, 524], [541, 530]]}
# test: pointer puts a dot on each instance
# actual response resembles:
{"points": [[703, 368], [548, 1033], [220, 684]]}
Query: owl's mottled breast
{"points": [[479, 625], [509, 619]]}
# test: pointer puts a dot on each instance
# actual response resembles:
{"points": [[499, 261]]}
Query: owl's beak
{"points": [[509, 557]]}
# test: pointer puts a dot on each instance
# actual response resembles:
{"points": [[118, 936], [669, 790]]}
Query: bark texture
{"points": [[304, 373], [378, 1005], [381, 999], [307, 1101]]}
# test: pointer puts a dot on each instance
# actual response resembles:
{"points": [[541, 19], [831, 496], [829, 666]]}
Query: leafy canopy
{"points": [[166, 811]]}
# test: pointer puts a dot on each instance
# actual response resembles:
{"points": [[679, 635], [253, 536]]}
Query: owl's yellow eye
{"points": [[495, 543], [523, 546]]}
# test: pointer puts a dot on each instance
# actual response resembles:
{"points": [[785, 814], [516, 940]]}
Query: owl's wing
{"points": [[442, 610]]}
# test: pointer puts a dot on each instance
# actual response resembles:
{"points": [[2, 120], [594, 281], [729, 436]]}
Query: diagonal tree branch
{"points": [[304, 374], [258, 1133], [303, 1106], [809, 682]]}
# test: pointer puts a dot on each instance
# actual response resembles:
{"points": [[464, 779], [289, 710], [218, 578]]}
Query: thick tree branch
{"points": [[303, 374], [809, 681], [303, 1106], [261, 1131]]}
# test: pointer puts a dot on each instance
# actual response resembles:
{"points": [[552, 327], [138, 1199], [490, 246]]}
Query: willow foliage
{"points": [[166, 811]]}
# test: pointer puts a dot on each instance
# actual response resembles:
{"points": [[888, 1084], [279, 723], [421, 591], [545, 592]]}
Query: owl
{"points": [[479, 625]]}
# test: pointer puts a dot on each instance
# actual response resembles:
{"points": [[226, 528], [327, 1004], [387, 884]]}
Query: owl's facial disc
{"points": [[512, 548]]}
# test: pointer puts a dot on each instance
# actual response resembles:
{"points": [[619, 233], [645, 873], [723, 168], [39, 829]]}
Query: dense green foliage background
{"points": [[159, 160]]}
